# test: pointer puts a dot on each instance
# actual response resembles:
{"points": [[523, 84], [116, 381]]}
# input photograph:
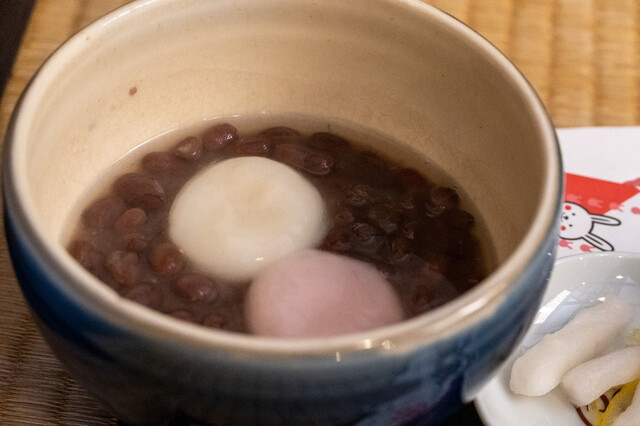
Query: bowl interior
{"points": [[400, 68]]}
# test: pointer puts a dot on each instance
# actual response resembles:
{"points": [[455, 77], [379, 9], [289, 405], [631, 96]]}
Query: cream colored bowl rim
{"points": [[439, 323]]}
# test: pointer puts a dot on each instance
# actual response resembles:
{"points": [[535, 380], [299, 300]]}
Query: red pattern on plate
{"points": [[598, 196]]}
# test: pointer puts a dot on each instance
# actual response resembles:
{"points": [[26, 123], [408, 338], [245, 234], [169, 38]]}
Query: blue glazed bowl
{"points": [[398, 67]]}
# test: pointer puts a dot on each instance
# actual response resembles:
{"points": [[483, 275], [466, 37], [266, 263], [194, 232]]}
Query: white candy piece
{"points": [[241, 214], [586, 382], [315, 293], [630, 416], [590, 332]]}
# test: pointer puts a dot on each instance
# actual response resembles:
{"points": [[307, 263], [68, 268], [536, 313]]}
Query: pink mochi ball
{"points": [[314, 294]]}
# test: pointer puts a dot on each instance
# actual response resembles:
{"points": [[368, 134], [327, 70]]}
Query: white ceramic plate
{"points": [[577, 282]]}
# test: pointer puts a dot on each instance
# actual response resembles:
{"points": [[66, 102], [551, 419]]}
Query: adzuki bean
{"points": [[194, 287], [165, 259], [130, 220], [219, 136], [124, 267], [189, 148], [104, 212], [140, 191]]}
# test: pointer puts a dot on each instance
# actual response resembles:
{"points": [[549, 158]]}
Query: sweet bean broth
{"points": [[417, 231]]}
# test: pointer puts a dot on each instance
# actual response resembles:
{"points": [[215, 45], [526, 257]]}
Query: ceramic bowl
{"points": [[398, 67]]}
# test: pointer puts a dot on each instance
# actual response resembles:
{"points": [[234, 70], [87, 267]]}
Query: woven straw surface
{"points": [[582, 56]]}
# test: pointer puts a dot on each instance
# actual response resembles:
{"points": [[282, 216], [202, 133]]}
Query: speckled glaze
{"points": [[399, 67]]}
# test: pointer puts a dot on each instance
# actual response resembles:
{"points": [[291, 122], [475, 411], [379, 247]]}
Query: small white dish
{"points": [[577, 282]]}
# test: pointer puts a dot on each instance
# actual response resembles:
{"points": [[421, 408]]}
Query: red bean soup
{"points": [[423, 235]]}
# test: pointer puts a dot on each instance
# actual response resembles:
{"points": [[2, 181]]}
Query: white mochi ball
{"points": [[240, 214]]}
